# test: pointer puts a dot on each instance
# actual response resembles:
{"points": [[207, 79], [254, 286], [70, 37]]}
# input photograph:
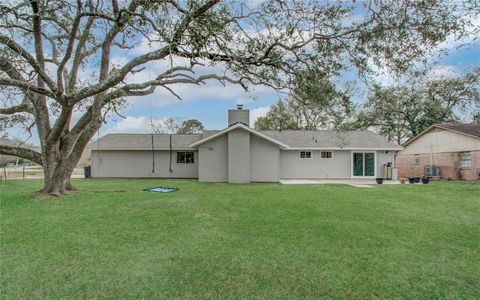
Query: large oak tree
{"points": [[315, 102], [57, 57], [403, 110]]}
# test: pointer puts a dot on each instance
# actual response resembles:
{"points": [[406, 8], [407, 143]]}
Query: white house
{"points": [[240, 154]]}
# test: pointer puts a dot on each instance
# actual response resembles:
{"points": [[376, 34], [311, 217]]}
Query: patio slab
{"points": [[366, 183]]}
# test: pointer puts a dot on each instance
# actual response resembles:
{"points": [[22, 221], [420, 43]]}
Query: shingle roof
{"points": [[321, 139], [471, 129], [328, 139], [239, 126], [117, 141], [209, 132]]}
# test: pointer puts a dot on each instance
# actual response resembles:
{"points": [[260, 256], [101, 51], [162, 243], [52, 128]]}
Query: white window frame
{"points": [[469, 160], [300, 154], [417, 159], [374, 161], [332, 152]]}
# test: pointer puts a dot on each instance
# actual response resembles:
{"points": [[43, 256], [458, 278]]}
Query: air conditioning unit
{"points": [[431, 170]]}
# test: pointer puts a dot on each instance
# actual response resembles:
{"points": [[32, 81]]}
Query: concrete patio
{"points": [[364, 183]]}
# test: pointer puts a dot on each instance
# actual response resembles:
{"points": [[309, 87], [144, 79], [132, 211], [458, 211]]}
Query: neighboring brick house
{"points": [[455, 148]]}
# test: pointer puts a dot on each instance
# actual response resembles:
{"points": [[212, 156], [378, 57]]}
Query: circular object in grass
{"points": [[160, 189]]}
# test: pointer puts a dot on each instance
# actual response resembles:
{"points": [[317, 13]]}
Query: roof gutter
{"points": [[347, 148]]}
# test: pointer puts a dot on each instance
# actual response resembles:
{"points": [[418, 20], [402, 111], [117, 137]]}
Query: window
{"points": [[185, 158], [417, 159], [305, 154], [326, 154], [465, 160]]}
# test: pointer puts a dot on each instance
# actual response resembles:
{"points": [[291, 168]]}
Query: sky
{"points": [[209, 103]]}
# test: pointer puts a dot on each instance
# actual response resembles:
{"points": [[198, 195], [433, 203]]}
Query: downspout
{"points": [[431, 154], [170, 164], [99, 159], [153, 156]]}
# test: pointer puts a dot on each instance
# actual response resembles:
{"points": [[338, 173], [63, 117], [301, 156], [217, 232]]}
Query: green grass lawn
{"points": [[111, 240]]}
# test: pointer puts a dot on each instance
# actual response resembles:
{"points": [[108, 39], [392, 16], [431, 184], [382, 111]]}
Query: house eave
{"points": [[143, 149], [348, 148], [439, 127]]}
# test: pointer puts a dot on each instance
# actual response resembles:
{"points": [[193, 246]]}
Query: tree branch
{"points": [[116, 76], [22, 152], [69, 50], [26, 86], [7, 67], [79, 55], [23, 107], [30, 59]]}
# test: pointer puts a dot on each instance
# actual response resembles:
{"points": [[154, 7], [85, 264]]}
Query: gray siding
{"points": [[382, 159], [213, 160], [126, 163], [238, 116], [264, 160], [238, 156], [294, 167]]}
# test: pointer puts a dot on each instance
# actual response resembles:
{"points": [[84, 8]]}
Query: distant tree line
{"points": [[176, 125], [315, 102], [398, 111], [404, 110]]}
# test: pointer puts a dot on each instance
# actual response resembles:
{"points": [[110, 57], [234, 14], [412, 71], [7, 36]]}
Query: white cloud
{"points": [[146, 45], [211, 89], [132, 125], [383, 75], [472, 29], [443, 72], [118, 61], [141, 124], [258, 112], [388, 78]]}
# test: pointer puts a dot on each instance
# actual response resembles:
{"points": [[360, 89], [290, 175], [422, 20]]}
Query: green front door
{"points": [[364, 164]]}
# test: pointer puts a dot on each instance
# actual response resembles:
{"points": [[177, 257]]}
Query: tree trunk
{"points": [[57, 179], [59, 182], [57, 172]]}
